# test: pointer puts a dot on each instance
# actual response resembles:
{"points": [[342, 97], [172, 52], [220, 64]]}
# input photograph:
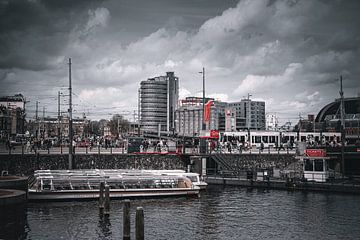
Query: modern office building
{"points": [[234, 116], [189, 120], [249, 114], [158, 102], [242, 115]]}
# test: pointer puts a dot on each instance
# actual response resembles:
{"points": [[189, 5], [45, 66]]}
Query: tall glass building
{"points": [[158, 102]]}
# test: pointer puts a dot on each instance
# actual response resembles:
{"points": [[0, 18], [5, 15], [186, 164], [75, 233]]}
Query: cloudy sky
{"points": [[288, 53]]}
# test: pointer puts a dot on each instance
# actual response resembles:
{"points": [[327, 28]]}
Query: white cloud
{"points": [[98, 18], [219, 96], [183, 93], [258, 84], [100, 96]]}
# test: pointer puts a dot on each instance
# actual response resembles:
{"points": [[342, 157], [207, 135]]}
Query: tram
{"points": [[274, 139]]}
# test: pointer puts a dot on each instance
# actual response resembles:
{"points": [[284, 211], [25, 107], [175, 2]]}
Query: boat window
{"points": [[309, 165], [192, 178], [319, 165]]}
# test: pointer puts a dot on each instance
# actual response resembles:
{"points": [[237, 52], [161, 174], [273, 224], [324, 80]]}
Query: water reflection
{"points": [[104, 226], [13, 222], [220, 213]]}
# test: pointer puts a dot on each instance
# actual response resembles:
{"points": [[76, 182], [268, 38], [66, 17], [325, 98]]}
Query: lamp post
{"points": [[202, 140], [70, 121], [203, 100]]}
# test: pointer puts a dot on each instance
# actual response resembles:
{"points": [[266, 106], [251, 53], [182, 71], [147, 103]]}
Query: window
{"points": [[309, 165], [257, 139], [319, 165]]}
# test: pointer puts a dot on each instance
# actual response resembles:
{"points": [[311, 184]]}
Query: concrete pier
{"points": [[344, 187]]}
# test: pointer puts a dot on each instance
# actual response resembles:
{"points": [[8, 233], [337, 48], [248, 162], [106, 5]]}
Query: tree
{"points": [[118, 124]]}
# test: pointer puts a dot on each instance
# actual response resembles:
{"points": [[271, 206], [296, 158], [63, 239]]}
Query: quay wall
{"points": [[340, 187], [25, 165], [18, 164]]}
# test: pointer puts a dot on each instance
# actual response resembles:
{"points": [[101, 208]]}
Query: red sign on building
{"points": [[315, 152], [214, 134]]}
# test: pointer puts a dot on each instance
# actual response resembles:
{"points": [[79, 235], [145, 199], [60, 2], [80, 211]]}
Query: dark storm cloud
{"points": [[33, 33], [274, 50]]}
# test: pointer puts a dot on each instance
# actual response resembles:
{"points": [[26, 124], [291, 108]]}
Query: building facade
{"points": [[329, 118], [272, 122], [158, 103], [189, 120], [234, 116], [12, 115]]}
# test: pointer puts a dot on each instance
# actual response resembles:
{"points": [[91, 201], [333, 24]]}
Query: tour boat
{"points": [[85, 184], [194, 177]]}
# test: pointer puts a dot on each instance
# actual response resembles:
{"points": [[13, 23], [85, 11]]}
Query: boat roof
{"points": [[106, 174]]}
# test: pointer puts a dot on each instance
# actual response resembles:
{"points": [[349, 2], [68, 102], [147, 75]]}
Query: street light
{"points": [[202, 140], [203, 99]]}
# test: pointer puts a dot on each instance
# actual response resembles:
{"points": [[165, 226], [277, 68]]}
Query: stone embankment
{"points": [[13, 190], [25, 165]]}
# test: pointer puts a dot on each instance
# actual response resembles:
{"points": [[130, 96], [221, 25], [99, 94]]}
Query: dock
{"points": [[340, 187]]}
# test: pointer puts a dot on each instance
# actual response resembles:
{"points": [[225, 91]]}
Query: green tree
{"points": [[118, 124]]}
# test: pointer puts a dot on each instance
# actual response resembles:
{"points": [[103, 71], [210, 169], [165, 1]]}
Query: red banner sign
{"points": [[315, 152], [214, 134], [207, 113]]}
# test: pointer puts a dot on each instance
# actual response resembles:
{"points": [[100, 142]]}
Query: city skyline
{"points": [[289, 54]]}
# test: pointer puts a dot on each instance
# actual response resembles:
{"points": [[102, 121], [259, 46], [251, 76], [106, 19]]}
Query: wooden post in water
{"points": [[139, 224], [101, 197], [126, 220], [107, 200]]}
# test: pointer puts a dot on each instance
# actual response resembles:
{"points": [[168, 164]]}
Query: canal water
{"points": [[220, 213]]}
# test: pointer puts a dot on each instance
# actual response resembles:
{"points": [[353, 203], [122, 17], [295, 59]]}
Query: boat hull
{"points": [[114, 193]]}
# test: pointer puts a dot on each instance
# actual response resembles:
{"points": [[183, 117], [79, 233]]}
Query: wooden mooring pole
{"points": [[107, 200], [101, 197], [139, 224], [126, 220]]}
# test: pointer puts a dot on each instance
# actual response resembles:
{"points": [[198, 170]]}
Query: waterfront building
{"points": [[189, 120], [50, 127], [229, 117], [272, 122], [243, 115], [158, 103], [12, 115], [329, 118]]}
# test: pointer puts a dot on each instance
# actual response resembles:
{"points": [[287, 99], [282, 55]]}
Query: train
{"points": [[277, 138]]}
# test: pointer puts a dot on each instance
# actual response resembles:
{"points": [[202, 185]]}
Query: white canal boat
{"points": [[85, 184], [194, 177]]}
